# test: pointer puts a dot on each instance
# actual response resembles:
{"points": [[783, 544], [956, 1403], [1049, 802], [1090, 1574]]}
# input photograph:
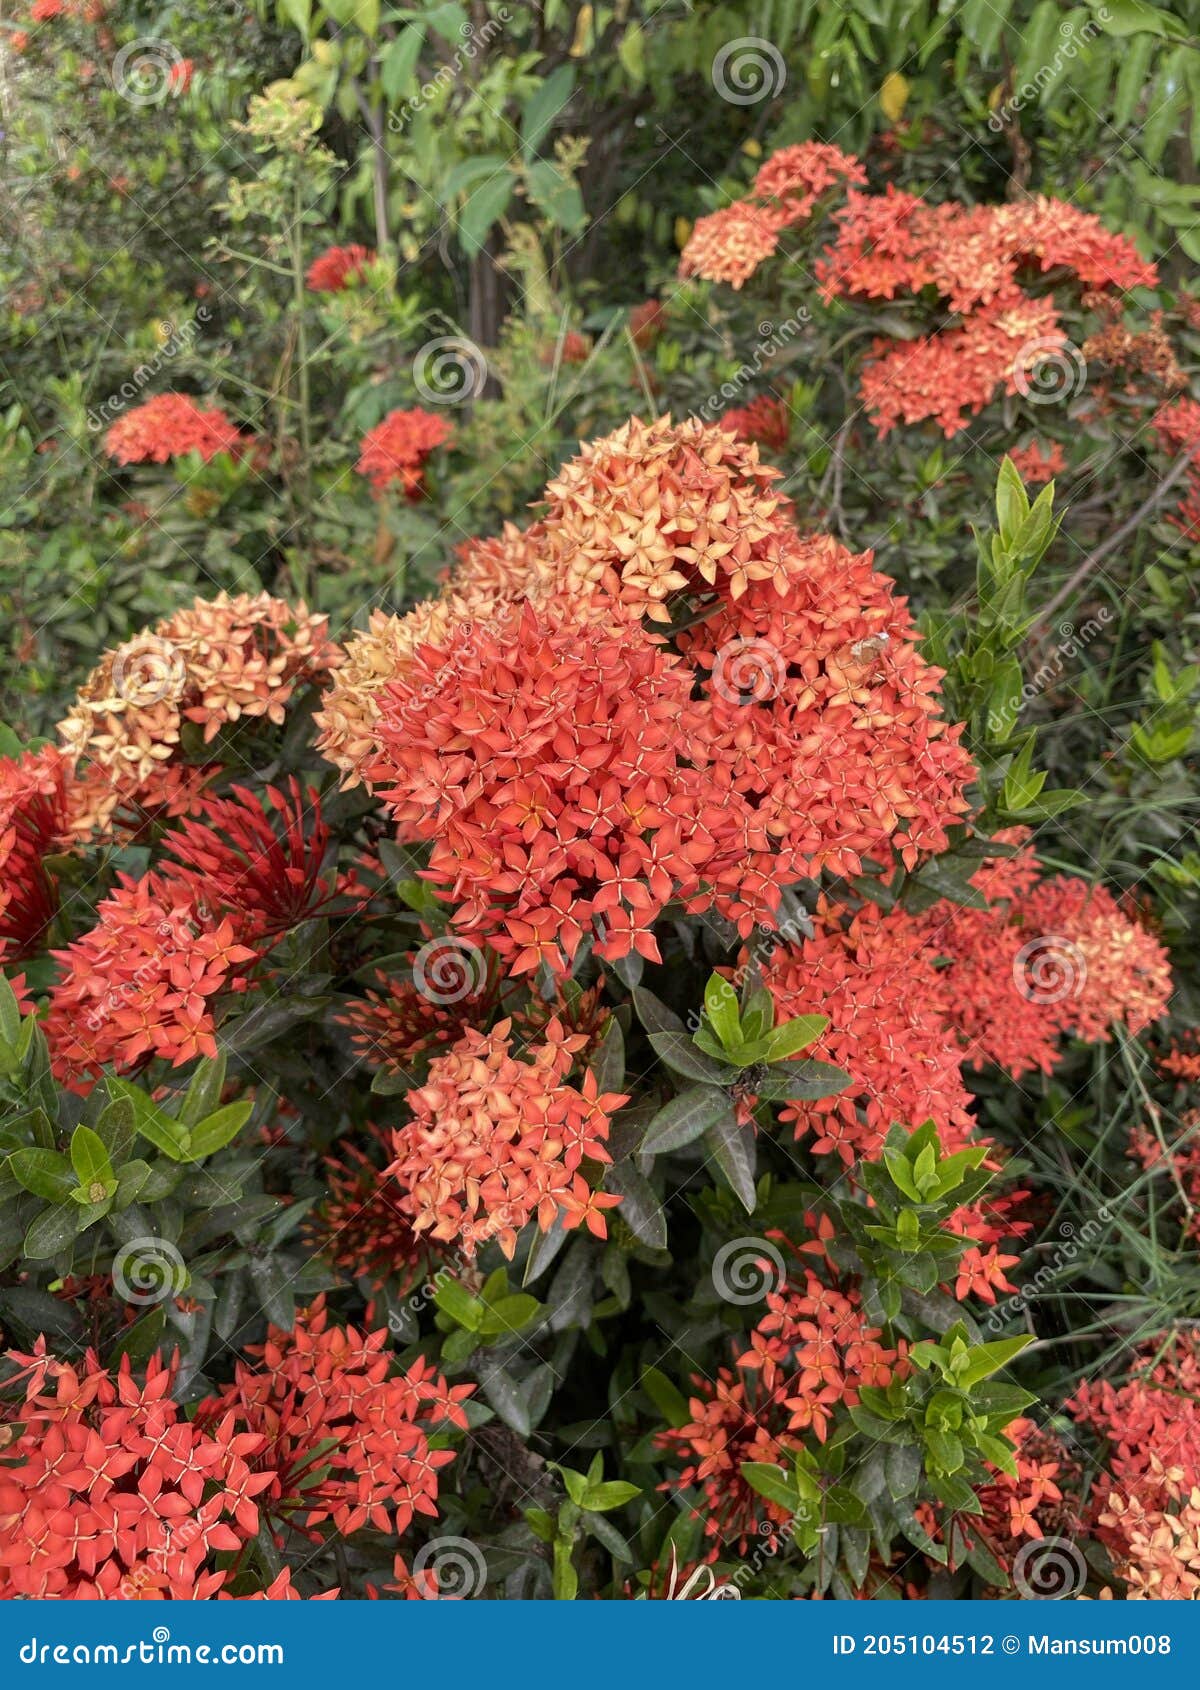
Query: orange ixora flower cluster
{"points": [[343, 1436], [393, 453], [337, 268], [993, 335], [108, 1490], [808, 1356], [573, 773], [213, 664], [496, 1140], [729, 245], [171, 425], [142, 982], [1146, 1505]]}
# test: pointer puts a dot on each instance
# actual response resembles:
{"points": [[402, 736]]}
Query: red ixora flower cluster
{"points": [[1177, 428], [496, 1140], [337, 268], [913, 999], [730, 244], [170, 426], [1036, 462], [808, 1355], [980, 261], [35, 822], [573, 773], [395, 450], [108, 1490], [765, 420], [362, 1226], [342, 1436], [1146, 1506]]}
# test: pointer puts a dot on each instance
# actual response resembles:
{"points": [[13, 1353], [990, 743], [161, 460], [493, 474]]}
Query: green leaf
{"points": [[43, 1172], [772, 1482], [53, 1231], [733, 1148], [686, 1118], [985, 1359], [204, 1092], [218, 1129], [1134, 17], [640, 1208], [456, 1301], [485, 205], [543, 106], [507, 1315], [679, 1052], [297, 12], [794, 1035], [153, 1123], [601, 1499], [556, 195], [667, 1398], [721, 1007], [90, 1160], [399, 63], [795, 1082]]}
